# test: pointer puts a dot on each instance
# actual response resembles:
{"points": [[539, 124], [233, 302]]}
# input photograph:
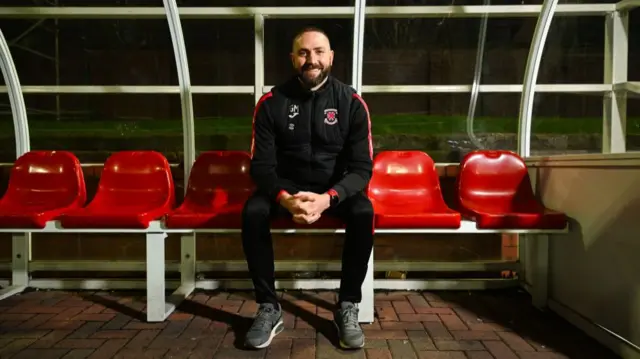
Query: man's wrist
{"points": [[334, 199]]}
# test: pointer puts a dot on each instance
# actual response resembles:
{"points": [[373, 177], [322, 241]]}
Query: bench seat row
{"points": [[493, 189]]}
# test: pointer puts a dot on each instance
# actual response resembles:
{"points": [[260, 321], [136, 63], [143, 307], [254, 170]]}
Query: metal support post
{"points": [[616, 54], [531, 75]]}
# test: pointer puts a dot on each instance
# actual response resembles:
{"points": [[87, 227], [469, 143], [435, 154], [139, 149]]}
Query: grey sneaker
{"points": [[349, 330], [266, 325]]}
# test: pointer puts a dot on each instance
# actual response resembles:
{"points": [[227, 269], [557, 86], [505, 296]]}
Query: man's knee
{"points": [[256, 207], [361, 208]]}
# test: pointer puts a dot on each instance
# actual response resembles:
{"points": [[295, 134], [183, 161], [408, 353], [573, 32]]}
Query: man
{"points": [[311, 155]]}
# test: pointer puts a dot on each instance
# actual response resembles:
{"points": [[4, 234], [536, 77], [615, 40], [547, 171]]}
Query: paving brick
{"points": [[515, 342], [420, 340], [68, 313], [402, 349], [386, 313], [302, 324], [85, 330], [443, 304], [441, 355], [437, 330], [174, 329], [198, 327], [474, 335], [386, 334], [24, 334], [418, 317], [479, 355], [487, 327], [401, 325], [375, 343], [113, 334], [94, 317], [452, 322], [467, 316], [459, 345], [298, 333], [79, 354], [378, 353], [79, 343], [76, 302], [31, 353], [136, 325], [403, 307], [383, 303], [108, 349], [50, 339], [432, 310], [18, 317], [303, 348], [543, 355], [61, 324], [142, 354], [35, 309], [142, 339], [500, 350], [118, 322], [35, 321], [374, 325], [410, 325], [418, 301]]}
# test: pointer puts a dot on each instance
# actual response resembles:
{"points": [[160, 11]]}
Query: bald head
{"points": [[312, 56]]}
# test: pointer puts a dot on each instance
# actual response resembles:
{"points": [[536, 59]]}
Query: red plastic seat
{"points": [[43, 185], [219, 185], [405, 192], [135, 188], [494, 189]]}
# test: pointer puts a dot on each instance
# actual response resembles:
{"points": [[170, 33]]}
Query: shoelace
{"points": [[262, 321], [350, 318]]}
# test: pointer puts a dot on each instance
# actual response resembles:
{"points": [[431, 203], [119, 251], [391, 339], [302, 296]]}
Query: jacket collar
{"points": [[308, 92]]}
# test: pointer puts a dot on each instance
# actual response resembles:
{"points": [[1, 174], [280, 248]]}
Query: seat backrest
{"points": [[493, 180], [405, 179], [220, 178], [136, 178], [50, 179]]}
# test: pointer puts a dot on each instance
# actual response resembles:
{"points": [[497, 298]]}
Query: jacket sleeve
{"points": [[263, 153], [359, 152]]}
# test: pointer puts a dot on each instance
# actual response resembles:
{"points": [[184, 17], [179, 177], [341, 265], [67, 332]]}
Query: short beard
{"points": [[313, 82]]}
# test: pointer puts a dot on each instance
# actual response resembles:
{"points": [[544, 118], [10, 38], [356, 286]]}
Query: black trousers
{"points": [[356, 212]]}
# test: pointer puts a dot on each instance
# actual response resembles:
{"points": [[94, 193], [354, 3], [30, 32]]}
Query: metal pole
{"points": [[57, 62], [358, 42], [531, 75], [21, 242], [18, 108], [258, 62], [616, 58], [187, 241], [180, 53], [475, 87]]}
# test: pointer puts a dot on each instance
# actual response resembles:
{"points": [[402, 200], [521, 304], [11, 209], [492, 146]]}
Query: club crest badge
{"points": [[331, 116]]}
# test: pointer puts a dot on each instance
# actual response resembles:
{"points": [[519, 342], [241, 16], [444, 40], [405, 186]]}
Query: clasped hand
{"points": [[306, 207]]}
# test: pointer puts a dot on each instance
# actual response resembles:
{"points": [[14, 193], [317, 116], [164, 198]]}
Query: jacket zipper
{"points": [[312, 115]]}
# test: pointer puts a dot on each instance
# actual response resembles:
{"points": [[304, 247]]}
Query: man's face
{"points": [[312, 58]]}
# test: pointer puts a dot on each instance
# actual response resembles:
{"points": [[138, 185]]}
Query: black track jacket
{"points": [[317, 141]]}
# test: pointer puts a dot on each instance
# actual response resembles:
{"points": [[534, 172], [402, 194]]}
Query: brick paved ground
{"points": [[502, 325]]}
